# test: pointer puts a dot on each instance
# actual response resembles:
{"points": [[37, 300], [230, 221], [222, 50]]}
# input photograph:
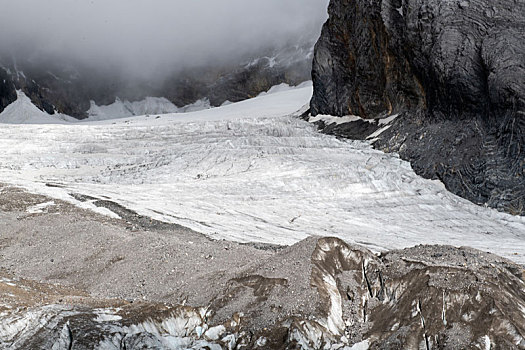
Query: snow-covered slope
{"points": [[196, 106], [23, 111], [160, 105], [285, 87], [282, 103], [124, 109], [251, 172]]}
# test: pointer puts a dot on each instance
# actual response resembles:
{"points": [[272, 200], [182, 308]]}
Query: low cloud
{"points": [[153, 34]]}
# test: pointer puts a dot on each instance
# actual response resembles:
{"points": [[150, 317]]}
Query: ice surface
{"points": [[285, 87], [364, 345], [23, 111], [40, 208], [249, 171], [196, 106]]}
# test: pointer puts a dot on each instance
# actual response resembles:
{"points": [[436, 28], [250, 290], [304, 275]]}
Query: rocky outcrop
{"points": [[337, 296], [454, 71], [290, 65], [7, 90]]}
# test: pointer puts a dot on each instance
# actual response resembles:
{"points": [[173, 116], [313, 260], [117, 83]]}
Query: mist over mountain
{"points": [[145, 38], [65, 54]]}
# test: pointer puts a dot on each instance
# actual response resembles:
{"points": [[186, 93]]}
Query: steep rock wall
{"points": [[454, 70], [7, 90]]}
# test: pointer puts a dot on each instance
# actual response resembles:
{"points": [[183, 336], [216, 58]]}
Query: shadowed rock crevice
{"points": [[454, 71]]}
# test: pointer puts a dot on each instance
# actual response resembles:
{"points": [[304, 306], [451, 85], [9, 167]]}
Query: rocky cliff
{"points": [[7, 90], [455, 73]]}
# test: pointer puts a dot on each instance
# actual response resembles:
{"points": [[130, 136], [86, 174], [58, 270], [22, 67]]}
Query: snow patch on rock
{"points": [[23, 111], [126, 109]]}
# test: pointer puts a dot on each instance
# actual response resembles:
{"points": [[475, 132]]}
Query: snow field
{"points": [[251, 171]]}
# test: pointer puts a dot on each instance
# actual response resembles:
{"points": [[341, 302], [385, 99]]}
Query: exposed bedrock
{"points": [[7, 90], [453, 70]]}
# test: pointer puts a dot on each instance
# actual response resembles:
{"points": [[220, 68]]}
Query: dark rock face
{"points": [[290, 65], [355, 71], [59, 87], [356, 130], [455, 70], [7, 90]]}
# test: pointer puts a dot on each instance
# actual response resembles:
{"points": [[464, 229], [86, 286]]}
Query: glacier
{"points": [[123, 109], [251, 171]]}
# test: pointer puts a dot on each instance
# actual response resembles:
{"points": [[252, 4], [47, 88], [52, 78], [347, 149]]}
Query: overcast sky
{"points": [[142, 33]]}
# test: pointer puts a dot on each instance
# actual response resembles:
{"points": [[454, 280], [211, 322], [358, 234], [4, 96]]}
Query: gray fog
{"points": [[153, 34]]}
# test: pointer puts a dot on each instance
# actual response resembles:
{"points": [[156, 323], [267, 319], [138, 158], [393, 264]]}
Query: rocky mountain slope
{"points": [[69, 88], [455, 73]]}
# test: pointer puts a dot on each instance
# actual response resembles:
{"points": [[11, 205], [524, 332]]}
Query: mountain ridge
{"points": [[69, 89]]}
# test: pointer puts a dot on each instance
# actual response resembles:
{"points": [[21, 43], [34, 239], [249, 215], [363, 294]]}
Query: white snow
{"points": [[387, 120], [364, 345], [249, 171], [488, 343], [214, 333], [330, 119], [107, 317], [39, 208], [196, 106], [285, 87], [23, 111], [124, 109], [159, 105], [378, 132]]}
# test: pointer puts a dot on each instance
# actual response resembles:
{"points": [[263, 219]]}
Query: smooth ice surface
{"points": [[251, 172]]}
